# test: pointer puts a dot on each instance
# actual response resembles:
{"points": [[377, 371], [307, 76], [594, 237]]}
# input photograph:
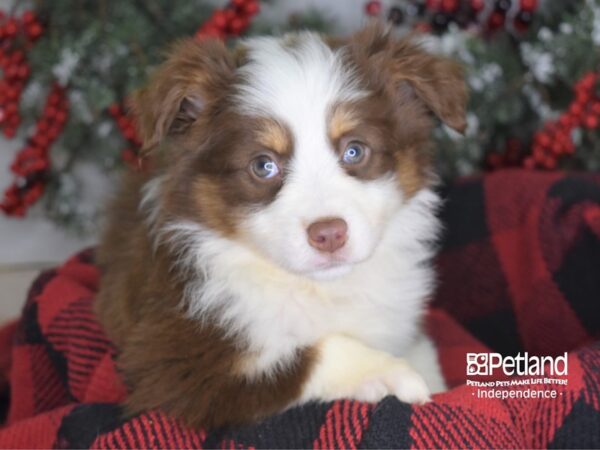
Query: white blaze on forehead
{"points": [[296, 80]]}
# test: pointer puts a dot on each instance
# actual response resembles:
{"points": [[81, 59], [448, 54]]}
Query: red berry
{"points": [[252, 7], [23, 71], [18, 211], [588, 80], [61, 117], [496, 20], [238, 25], [54, 99], [528, 5], [582, 96], [230, 14], [576, 110], [11, 27], [122, 122], [539, 155], [53, 132], [28, 17], [477, 5], [219, 19], [565, 121], [129, 134], [544, 140], [12, 93], [33, 194], [11, 109], [42, 140], [557, 148], [373, 8], [12, 71], [34, 30], [550, 163], [449, 5], [17, 56], [50, 111], [209, 31], [114, 109], [590, 121], [14, 121], [569, 147]]}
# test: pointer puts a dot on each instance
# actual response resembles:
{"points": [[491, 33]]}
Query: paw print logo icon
{"points": [[477, 364]]}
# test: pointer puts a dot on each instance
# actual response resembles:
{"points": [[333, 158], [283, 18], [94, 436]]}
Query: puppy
{"points": [[278, 250]]}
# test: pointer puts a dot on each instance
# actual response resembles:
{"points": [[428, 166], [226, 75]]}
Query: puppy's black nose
{"points": [[328, 235]]}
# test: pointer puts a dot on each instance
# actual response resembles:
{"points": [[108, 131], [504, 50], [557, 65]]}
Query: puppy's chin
{"points": [[330, 273]]}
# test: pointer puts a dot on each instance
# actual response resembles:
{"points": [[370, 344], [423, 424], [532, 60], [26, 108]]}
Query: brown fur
{"points": [[275, 136], [196, 71], [192, 371], [406, 70], [187, 368], [203, 148], [405, 85], [217, 180], [343, 119]]}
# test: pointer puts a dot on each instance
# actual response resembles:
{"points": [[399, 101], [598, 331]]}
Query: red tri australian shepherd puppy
{"points": [[279, 248]]}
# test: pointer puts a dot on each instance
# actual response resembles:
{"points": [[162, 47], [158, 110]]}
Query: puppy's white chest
{"points": [[379, 303], [383, 312], [276, 312]]}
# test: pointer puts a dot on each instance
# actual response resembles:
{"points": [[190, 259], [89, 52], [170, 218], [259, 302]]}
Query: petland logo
{"points": [[520, 365], [528, 376]]}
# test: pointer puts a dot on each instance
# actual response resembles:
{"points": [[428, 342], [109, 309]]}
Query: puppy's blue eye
{"points": [[265, 167], [355, 153]]}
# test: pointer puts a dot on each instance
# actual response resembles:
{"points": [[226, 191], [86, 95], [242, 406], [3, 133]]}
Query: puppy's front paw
{"points": [[347, 368], [400, 380]]}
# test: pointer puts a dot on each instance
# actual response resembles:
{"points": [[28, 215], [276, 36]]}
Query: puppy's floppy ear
{"points": [[408, 70], [180, 89]]}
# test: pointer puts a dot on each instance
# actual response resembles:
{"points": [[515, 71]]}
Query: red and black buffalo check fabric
{"points": [[519, 271]]}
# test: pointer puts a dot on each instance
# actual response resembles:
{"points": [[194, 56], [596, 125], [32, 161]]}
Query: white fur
{"points": [[348, 368], [379, 301], [296, 81], [275, 291], [299, 84], [149, 203]]}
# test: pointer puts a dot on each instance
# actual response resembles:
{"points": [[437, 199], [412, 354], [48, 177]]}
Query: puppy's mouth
{"points": [[332, 266], [335, 265], [330, 271]]}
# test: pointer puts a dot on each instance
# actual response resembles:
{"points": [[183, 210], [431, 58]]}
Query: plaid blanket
{"points": [[519, 271]]}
